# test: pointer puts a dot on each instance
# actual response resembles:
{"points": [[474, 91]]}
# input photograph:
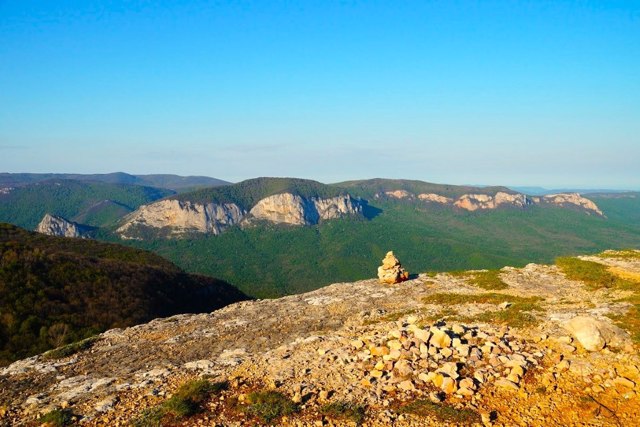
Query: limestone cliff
{"points": [[575, 199], [289, 208], [431, 197], [182, 217], [54, 225], [472, 202]]}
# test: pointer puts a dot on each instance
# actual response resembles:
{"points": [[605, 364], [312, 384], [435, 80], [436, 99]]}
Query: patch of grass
{"points": [[390, 317], [57, 418], [594, 275], [489, 280], [70, 349], [517, 315], [630, 321], [269, 405], [628, 254], [451, 298], [185, 402], [344, 411], [446, 413]]}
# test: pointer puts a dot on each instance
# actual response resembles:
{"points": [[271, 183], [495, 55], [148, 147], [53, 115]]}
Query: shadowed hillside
{"points": [[54, 291]]}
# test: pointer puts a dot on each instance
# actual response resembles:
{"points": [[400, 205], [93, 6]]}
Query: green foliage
{"points": [[344, 411], [58, 418], [269, 405], [442, 412], [518, 314], [187, 401], [55, 291], [275, 260], [450, 298], [247, 193], [489, 280], [70, 349], [593, 274], [630, 320], [91, 203]]}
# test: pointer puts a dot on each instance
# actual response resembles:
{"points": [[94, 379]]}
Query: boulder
{"points": [[391, 270], [594, 334]]}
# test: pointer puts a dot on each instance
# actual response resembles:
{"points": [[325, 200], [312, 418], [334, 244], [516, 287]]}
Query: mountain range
{"points": [[277, 236]]}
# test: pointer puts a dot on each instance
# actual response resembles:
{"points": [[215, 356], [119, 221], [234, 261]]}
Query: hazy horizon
{"points": [[513, 186], [501, 93]]}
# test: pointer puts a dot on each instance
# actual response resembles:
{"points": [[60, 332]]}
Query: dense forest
{"points": [[54, 290]]}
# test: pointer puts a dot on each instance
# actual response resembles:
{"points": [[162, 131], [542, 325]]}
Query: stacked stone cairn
{"points": [[443, 360], [391, 270]]}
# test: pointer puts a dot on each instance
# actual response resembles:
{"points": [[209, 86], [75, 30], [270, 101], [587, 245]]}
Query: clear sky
{"points": [[478, 92]]}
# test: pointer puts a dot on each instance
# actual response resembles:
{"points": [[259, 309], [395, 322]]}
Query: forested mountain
{"points": [[56, 290]]}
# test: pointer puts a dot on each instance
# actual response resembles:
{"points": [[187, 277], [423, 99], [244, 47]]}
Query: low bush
{"points": [[57, 418], [269, 405], [344, 411]]}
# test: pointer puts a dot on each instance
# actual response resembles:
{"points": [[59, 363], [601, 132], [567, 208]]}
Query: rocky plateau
{"points": [[438, 349]]}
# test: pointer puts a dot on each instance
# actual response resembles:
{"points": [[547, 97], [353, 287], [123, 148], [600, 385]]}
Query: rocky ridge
{"points": [[54, 225], [180, 217], [387, 348], [473, 202]]}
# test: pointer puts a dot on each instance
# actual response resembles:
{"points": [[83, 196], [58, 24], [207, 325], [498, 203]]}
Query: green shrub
{"points": [[58, 418], [269, 405], [70, 349], [185, 402], [344, 411]]}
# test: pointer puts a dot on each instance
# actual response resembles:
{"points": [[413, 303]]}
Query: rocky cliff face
{"points": [[431, 197], [414, 354], [472, 202], [54, 225], [574, 199], [182, 217], [288, 208]]}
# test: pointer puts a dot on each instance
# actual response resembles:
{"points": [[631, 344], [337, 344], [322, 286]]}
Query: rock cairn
{"points": [[391, 270], [446, 360]]}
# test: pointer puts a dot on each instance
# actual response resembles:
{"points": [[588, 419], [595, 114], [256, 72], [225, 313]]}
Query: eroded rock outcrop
{"points": [[54, 225], [399, 194], [287, 208], [183, 216], [391, 270], [572, 199], [472, 202], [180, 217], [431, 197]]}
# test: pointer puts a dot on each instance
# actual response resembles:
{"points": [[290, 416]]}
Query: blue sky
{"points": [[478, 92]]}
